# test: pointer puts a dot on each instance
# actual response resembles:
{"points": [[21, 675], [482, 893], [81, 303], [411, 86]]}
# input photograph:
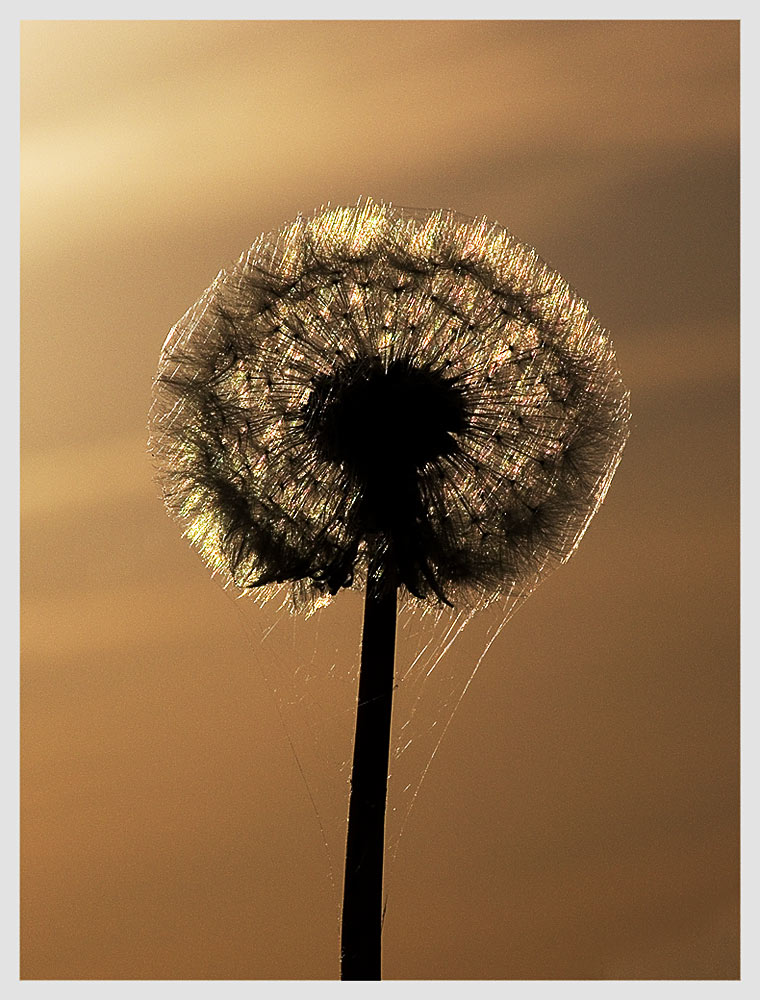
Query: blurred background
{"points": [[179, 788]]}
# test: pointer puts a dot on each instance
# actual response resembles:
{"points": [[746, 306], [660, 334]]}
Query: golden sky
{"points": [[184, 769]]}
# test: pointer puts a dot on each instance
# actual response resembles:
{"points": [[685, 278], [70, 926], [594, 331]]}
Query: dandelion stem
{"points": [[365, 844]]}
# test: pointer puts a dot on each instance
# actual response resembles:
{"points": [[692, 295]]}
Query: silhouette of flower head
{"points": [[378, 380]]}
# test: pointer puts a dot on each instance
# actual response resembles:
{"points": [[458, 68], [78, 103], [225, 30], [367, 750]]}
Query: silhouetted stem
{"points": [[365, 845]]}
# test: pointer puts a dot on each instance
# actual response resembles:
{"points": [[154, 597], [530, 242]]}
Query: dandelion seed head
{"points": [[379, 379]]}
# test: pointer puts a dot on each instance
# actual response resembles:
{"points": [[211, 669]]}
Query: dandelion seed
{"points": [[399, 401]]}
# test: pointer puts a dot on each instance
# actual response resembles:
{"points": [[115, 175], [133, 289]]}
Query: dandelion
{"points": [[407, 402]]}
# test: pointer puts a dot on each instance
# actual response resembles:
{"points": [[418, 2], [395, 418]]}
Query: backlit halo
{"points": [[379, 380]]}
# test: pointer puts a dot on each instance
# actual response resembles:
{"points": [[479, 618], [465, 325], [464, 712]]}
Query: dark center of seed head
{"points": [[384, 423]]}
